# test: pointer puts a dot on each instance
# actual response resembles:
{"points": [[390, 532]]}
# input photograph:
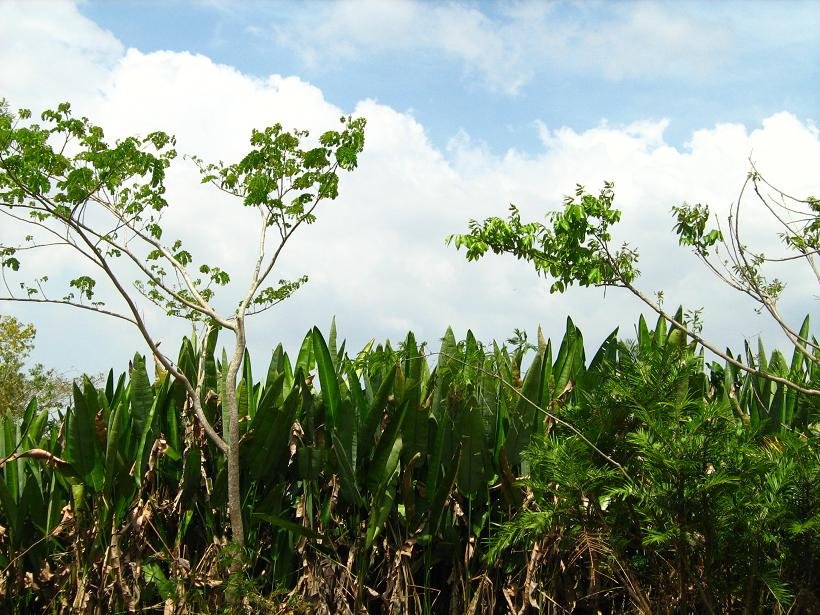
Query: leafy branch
{"points": [[575, 247]]}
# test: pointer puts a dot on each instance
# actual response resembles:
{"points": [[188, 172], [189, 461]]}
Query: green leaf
{"points": [[570, 359], [82, 448], [386, 455], [155, 576], [524, 417], [250, 391], [327, 378], [290, 526], [442, 493], [350, 483], [140, 394], [306, 359], [383, 502], [367, 433], [474, 468], [266, 452]]}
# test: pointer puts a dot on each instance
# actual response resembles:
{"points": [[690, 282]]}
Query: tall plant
{"points": [[66, 188]]}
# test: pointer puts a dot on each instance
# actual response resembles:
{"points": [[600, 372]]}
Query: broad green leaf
{"points": [[383, 501], [386, 455], [140, 395], [474, 469], [327, 378], [347, 471], [367, 434], [442, 493], [306, 359], [82, 448], [250, 389], [267, 450], [292, 527]]}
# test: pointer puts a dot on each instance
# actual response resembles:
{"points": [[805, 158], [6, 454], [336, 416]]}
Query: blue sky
{"points": [[716, 61], [470, 106]]}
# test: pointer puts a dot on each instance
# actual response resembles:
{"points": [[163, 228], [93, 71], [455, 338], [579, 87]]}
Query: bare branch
{"points": [[203, 307], [166, 363], [289, 234], [82, 306], [206, 309], [700, 340]]}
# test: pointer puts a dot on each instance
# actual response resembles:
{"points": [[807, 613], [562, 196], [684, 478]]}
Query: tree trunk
{"points": [[231, 435]]}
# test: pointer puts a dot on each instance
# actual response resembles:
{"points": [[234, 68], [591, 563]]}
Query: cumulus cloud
{"points": [[376, 257], [48, 49]]}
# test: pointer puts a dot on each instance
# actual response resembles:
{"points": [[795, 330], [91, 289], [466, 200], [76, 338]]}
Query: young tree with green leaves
{"points": [[575, 247], [16, 342], [18, 386], [69, 189]]}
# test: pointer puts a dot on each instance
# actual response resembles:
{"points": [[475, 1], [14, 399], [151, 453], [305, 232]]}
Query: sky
{"points": [[471, 106]]}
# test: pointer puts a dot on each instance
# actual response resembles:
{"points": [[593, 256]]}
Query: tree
{"points": [[72, 190], [17, 386], [575, 247], [16, 342]]}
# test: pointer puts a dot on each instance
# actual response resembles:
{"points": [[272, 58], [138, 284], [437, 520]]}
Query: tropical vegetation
{"points": [[65, 187], [469, 478], [474, 479]]}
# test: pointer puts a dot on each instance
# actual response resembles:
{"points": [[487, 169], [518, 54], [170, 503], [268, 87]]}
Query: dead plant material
{"points": [[528, 599], [483, 600], [38, 453], [401, 591]]}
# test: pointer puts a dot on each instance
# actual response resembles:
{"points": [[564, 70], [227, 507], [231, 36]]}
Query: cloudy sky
{"points": [[470, 106]]}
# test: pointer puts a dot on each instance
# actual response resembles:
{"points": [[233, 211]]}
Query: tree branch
{"points": [[699, 339], [82, 306], [164, 361]]}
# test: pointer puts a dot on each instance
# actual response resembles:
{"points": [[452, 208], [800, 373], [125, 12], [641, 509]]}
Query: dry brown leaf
{"points": [[100, 428], [296, 434], [29, 582], [45, 573]]}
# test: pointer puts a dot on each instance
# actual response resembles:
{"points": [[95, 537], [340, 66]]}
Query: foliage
{"points": [[16, 342], [575, 246], [72, 190], [708, 515], [403, 481], [18, 386]]}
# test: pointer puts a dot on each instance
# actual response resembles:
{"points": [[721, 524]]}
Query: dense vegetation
{"points": [[476, 479]]}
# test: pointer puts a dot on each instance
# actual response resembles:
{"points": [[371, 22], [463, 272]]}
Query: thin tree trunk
{"points": [[232, 435]]}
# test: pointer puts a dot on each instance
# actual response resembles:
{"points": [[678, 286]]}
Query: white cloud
{"points": [[376, 257], [48, 49], [650, 39], [508, 49], [350, 30]]}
